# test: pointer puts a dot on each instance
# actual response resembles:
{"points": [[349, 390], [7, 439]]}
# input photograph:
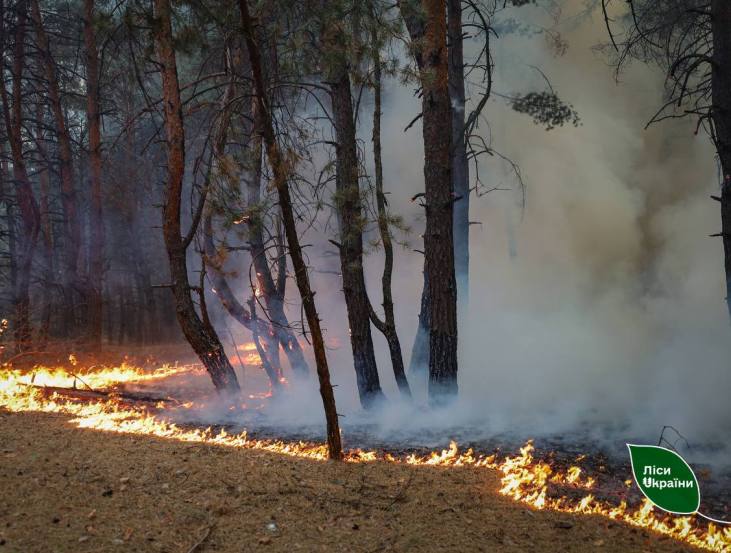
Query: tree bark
{"points": [[419, 362], [721, 114], [68, 191], [46, 229], [348, 207], [387, 327], [27, 204], [428, 31], [280, 169], [201, 337], [96, 238], [460, 163], [7, 202], [351, 223]]}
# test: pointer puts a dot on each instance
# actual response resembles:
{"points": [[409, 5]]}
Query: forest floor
{"points": [[67, 490]]}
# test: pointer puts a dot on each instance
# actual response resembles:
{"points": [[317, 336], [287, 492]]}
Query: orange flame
{"points": [[251, 356]]}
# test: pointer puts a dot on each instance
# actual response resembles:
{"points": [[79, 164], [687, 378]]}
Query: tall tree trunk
{"points": [[351, 223], [428, 31], [721, 113], [387, 327], [25, 198], [96, 238], [460, 163], [281, 176], [46, 228], [68, 190], [201, 337], [7, 201]]}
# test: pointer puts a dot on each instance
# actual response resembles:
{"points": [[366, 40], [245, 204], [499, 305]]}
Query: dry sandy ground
{"points": [[69, 490]]}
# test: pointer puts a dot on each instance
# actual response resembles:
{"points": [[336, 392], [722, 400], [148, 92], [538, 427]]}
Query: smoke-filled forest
{"points": [[339, 275]]}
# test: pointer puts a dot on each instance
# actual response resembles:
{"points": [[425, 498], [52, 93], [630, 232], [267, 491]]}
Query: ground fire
{"points": [[524, 478]]}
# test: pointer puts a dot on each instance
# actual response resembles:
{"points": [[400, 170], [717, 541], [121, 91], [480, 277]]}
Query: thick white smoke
{"points": [[599, 303]]}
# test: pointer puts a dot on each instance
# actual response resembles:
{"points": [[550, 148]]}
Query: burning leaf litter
{"points": [[523, 478]]}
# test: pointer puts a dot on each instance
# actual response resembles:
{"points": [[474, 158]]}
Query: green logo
{"points": [[665, 479]]}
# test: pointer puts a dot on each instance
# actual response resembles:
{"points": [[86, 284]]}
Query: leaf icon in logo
{"points": [[665, 479]]}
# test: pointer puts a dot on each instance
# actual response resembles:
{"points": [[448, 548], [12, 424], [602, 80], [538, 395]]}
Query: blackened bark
{"points": [[201, 337], [419, 363], [348, 206], [96, 236], [68, 190], [460, 163], [388, 326], [428, 31], [25, 198], [351, 223], [721, 114], [280, 170]]}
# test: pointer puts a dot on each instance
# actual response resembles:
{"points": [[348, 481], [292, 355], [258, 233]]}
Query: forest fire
{"points": [[523, 477]]}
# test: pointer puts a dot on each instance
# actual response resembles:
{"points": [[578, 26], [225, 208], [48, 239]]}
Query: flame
{"points": [[251, 356], [106, 377], [523, 478]]}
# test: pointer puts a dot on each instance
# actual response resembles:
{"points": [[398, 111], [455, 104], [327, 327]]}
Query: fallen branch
{"points": [[204, 537], [95, 394]]}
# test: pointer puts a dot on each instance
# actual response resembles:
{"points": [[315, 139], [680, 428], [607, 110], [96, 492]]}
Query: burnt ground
{"points": [[70, 490]]}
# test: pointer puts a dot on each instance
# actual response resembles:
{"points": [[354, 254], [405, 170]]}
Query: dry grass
{"points": [[68, 490]]}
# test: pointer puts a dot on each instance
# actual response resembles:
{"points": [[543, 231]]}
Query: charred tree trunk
{"points": [[96, 238], [387, 327], [419, 362], [280, 170], [721, 114], [348, 207], [201, 337], [68, 190], [428, 32], [460, 163], [351, 223], [25, 198]]}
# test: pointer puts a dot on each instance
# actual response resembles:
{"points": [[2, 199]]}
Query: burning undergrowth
{"points": [[556, 472]]}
